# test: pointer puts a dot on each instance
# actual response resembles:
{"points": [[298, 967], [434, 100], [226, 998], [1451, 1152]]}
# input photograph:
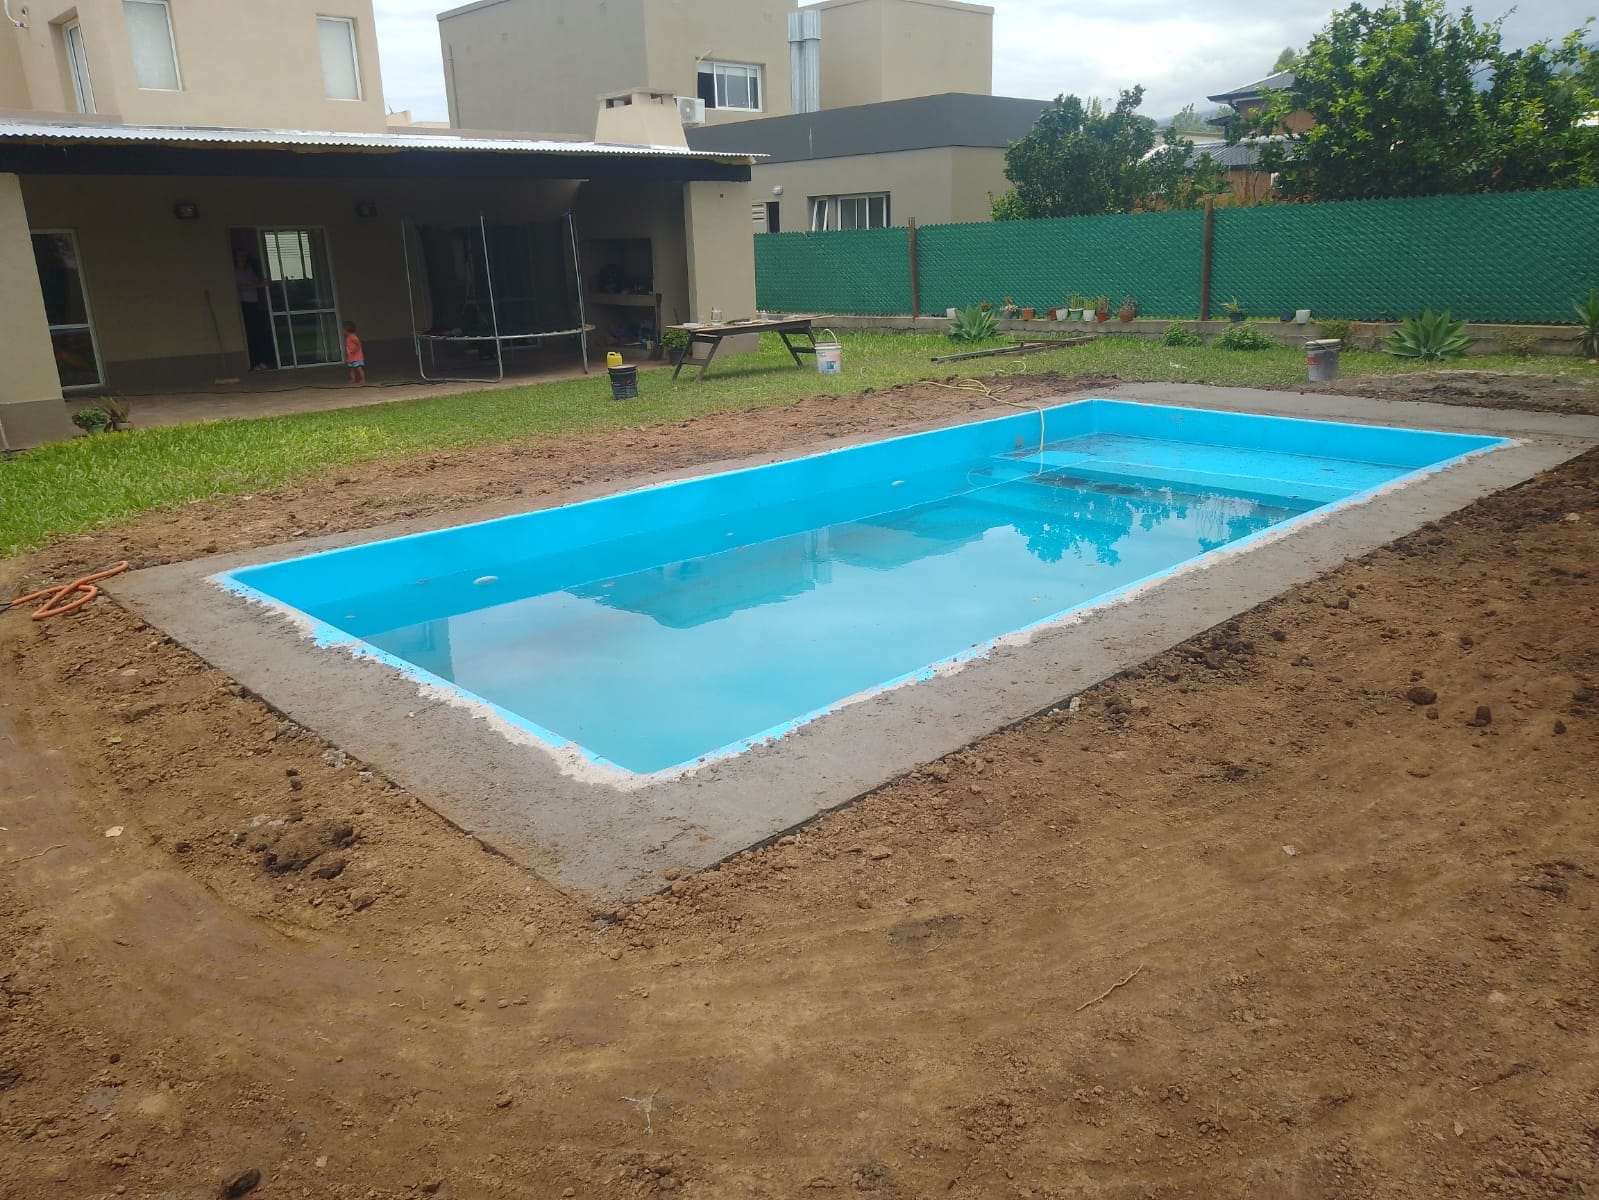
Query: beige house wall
{"points": [[31, 410], [680, 33], [937, 186], [721, 255], [155, 283], [240, 62], [539, 66], [875, 50]]}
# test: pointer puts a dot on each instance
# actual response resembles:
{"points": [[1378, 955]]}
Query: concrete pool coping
{"points": [[618, 845]]}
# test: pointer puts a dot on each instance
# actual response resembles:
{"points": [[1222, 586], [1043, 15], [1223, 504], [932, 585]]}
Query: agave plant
{"points": [[1429, 338], [1588, 310], [975, 324]]}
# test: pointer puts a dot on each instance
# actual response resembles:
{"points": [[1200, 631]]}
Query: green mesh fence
{"points": [[1522, 258], [860, 271], [1153, 256]]}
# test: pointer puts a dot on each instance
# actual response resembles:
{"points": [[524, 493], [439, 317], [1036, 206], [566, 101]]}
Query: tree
{"points": [[1412, 100], [1189, 121], [1285, 60], [1080, 160]]}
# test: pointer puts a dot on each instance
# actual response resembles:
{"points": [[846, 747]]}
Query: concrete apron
{"points": [[617, 845]]}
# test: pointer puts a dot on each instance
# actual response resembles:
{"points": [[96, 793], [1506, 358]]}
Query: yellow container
{"points": [[613, 359]]}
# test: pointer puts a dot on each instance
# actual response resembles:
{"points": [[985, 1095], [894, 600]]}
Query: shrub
{"points": [[1429, 338], [1335, 331], [1588, 311], [1518, 343], [1178, 334], [973, 325], [1242, 337], [91, 420]]}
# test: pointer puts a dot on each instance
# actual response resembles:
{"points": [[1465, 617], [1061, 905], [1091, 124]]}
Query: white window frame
{"points": [[77, 53], [355, 58], [88, 310], [719, 72], [827, 211], [172, 43]]}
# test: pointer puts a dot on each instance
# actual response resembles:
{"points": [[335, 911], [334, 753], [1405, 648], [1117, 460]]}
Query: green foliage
{"points": [[675, 339], [1178, 334], [1188, 120], [1080, 160], [1411, 99], [974, 324], [1588, 311], [1333, 329], [1286, 61], [1233, 308], [116, 408], [1518, 343], [91, 420], [1242, 337], [1429, 338]]}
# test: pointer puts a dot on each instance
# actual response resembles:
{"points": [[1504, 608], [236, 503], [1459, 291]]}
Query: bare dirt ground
{"points": [[1341, 856], [1575, 394]]}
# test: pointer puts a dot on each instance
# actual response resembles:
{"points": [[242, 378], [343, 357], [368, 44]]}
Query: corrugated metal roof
{"points": [[1277, 81], [218, 136]]}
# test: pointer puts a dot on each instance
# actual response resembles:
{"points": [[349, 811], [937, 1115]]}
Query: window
{"points": [[341, 77], [155, 54], [78, 66], [868, 211], [66, 308], [730, 85]]}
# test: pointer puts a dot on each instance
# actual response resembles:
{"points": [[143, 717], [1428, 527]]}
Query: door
{"points": [[300, 298], [66, 308]]}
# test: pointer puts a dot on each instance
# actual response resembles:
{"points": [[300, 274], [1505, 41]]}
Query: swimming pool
{"points": [[649, 632]]}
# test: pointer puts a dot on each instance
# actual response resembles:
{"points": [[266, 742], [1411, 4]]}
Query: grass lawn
{"points": [[72, 486]]}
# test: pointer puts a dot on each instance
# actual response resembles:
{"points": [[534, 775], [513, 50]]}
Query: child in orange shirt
{"points": [[354, 357]]}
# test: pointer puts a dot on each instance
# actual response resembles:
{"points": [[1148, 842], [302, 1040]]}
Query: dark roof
{"points": [[921, 123], [1278, 82]]}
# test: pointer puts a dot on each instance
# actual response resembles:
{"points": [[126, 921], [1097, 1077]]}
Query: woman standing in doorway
{"points": [[252, 304]]}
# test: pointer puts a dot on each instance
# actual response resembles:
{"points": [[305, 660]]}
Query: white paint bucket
{"points": [[1301, 316], [830, 355]]}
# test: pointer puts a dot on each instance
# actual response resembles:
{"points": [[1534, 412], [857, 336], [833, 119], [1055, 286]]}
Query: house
{"points": [[168, 219], [1248, 101], [937, 159], [538, 64], [867, 112]]}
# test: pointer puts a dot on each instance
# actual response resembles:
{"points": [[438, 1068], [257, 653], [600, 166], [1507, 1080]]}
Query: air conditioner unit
{"points": [[691, 110]]}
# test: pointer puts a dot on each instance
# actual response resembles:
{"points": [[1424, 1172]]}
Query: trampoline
{"points": [[496, 337]]}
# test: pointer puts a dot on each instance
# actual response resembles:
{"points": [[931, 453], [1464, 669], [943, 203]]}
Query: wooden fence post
{"points": [[1208, 253], [916, 281]]}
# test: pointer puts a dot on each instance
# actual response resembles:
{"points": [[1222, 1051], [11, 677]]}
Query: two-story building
{"points": [[194, 189], [868, 112]]}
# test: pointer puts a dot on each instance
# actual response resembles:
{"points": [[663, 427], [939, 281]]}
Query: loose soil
{"points": [[1304, 908], [1575, 394]]}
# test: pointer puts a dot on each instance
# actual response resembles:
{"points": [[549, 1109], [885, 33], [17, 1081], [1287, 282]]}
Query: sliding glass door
{"points": [[66, 308], [300, 297]]}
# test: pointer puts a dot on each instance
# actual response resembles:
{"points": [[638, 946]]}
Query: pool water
{"points": [[653, 644]]}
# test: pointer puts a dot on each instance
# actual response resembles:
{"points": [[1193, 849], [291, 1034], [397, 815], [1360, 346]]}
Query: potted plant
{"points": [[676, 342], [1286, 315], [1009, 308], [1234, 310], [1102, 308], [1074, 307], [1129, 308], [1027, 313], [92, 420]]}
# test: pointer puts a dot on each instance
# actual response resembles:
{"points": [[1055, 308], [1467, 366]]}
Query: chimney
{"points": [[640, 117], [805, 59]]}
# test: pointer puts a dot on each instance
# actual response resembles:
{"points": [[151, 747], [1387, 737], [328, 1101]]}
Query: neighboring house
{"points": [[1248, 183], [1248, 101], [938, 159], [151, 148], [539, 64]]}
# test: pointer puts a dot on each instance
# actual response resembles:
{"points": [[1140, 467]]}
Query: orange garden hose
{"points": [[55, 599]]}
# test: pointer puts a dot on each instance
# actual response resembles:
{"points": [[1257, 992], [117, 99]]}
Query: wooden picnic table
{"points": [[712, 335]]}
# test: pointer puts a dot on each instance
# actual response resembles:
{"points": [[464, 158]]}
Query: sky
{"points": [[1180, 52]]}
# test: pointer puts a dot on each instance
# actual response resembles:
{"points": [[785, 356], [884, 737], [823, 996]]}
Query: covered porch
{"points": [[217, 269]]}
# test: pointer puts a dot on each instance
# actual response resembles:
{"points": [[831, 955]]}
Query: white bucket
{"points": [[1301, 316], [830, 355]]}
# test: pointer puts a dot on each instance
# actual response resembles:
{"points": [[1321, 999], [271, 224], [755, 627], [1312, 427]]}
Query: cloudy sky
{"points": [[1179, 52]]}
